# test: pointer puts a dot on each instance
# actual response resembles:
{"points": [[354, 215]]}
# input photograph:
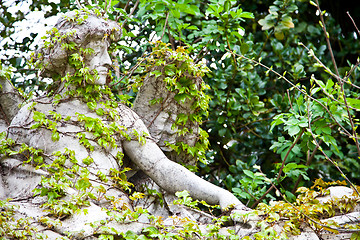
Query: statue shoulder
{"points": [[130, 119]]}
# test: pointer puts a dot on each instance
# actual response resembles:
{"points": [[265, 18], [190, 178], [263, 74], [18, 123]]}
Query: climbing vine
{"points": [[183, 78], [67, 184], [178, 71]]}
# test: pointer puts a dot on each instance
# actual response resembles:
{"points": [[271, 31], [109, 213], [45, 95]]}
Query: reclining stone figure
{"points": [[79, 124]]}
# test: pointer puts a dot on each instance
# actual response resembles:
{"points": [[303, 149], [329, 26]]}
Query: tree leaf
{"points": [[246, 15], [287, 22], [266, 25], [293, 130], [244, 48], [353, 102]]}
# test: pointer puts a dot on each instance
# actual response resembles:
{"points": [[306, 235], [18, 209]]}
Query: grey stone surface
{"points": [[18, 179]]}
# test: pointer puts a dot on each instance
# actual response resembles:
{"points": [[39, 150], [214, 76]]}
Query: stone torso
{"points": [[71, 133]]}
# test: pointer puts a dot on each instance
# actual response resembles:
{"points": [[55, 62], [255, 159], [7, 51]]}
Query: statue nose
{"points": [[106, 60]]}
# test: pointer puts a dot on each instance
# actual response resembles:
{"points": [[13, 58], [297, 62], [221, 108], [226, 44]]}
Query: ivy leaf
{"points": [[91, 105], [82, 184], [182, 194], [355, 236], [100, 111], [88, 160], [55, 136], [38, 116], [152, 232]]}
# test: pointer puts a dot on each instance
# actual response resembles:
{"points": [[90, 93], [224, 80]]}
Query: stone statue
{"points": [[93, 135]]}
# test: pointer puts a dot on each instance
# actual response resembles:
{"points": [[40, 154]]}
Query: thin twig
{"points": [[288, 95], [353, 23], [106, 7], [78, 4], [345, 80], [338, 77], [280, 170], [197, 58], [118, 14], [308, 162], [325, 155], [255, 121], [251, 195], [310, 97], [171, 39], [265, 42], [232, 54], [131, 71], [160, 110], [109, 5], [134, 8], [253, 132], [287, 154], [223, 157], [327, 38], [130, 14], [126, 5], [332, 97], [300, 90], [166, 20]]}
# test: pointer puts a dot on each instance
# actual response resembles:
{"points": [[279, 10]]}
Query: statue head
{"points": [[74, 32]]}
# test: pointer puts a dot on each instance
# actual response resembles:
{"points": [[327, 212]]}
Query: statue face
{"points": [[99, 60]]}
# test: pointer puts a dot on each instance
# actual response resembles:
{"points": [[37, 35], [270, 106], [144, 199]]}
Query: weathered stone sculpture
{"points": [[65, 158], [76, 137]]}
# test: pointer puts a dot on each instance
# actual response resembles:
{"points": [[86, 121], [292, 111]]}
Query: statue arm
{"points": [[173, 177]]}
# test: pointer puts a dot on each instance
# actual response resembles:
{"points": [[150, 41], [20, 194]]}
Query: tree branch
{"points": [[165, 24], [326, 156], [280, 170], [338, 77], [300, 90], [353, 23]]}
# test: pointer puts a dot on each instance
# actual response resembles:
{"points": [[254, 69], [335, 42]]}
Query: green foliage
{"points": [[278, 99], [306, 208], [12, 228], [252, 186], [279, 18], [183, 78]]}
